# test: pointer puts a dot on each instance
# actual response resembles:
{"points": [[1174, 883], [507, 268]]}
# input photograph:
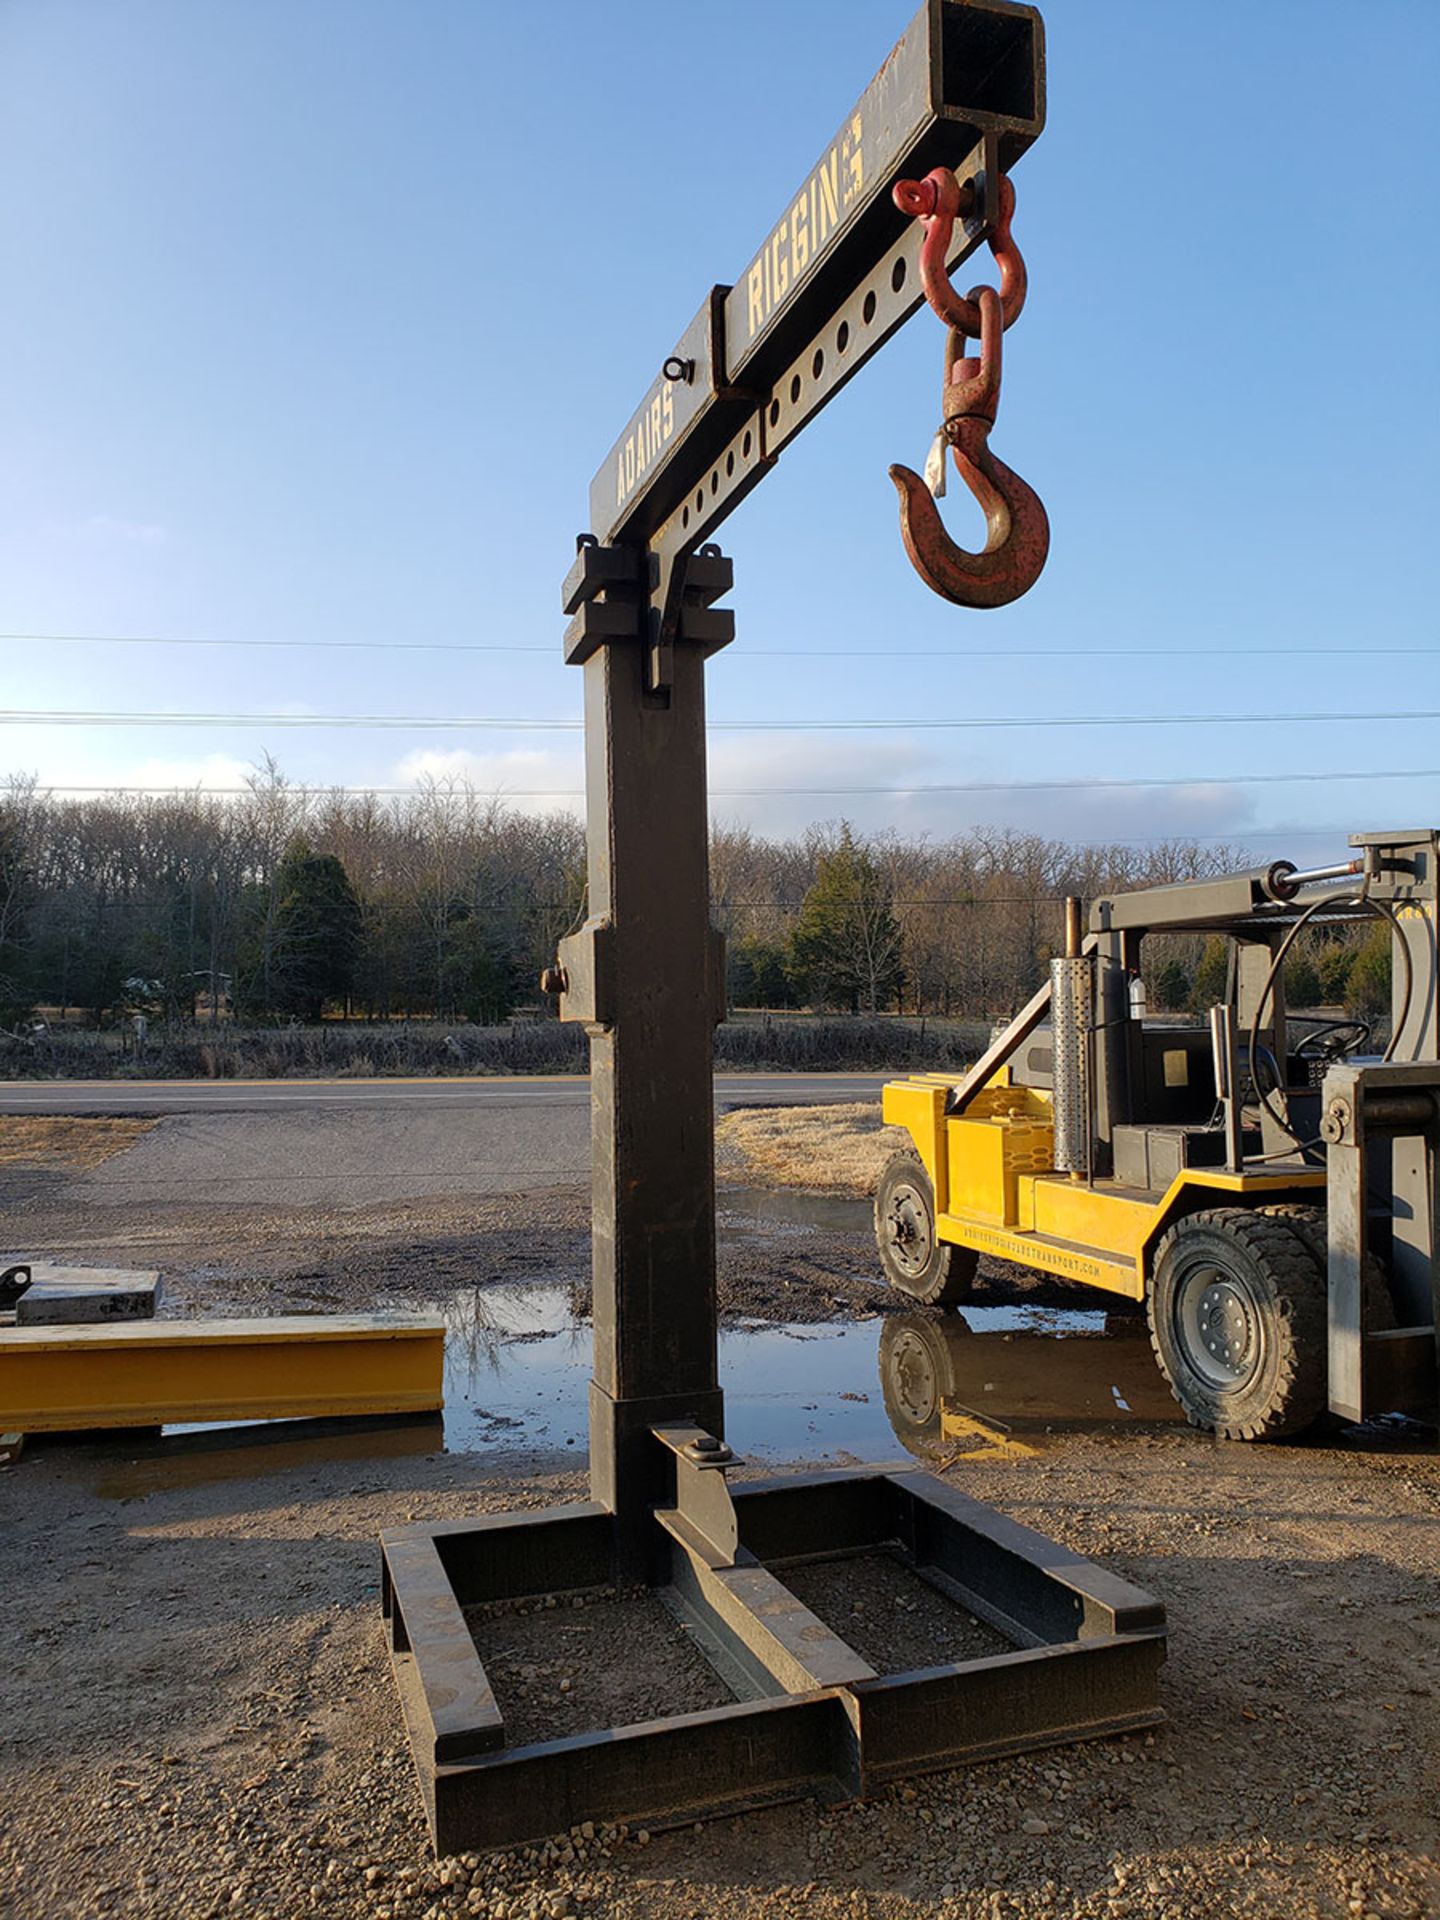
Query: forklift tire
{"points": [[1309, 1222], [1238, 1322], [914, 1259]]}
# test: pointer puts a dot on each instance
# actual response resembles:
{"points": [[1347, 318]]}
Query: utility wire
{"points": [[1080, 653], [517, 910], [899, 790], [1338, 832], [35, 717]]}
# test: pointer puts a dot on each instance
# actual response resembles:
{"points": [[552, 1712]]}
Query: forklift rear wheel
{"points": [[1237, 1319], [915, 1260]]}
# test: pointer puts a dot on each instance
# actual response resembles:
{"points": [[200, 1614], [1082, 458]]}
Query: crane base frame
{"points": [[811, 1718]]}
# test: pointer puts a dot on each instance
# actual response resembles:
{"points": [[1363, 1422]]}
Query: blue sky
{"points": [[320, 314]]}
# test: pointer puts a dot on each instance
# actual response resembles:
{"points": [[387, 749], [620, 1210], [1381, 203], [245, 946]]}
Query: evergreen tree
{"points": [[1211, 976], [758, 976], [314, 933], [1302, 982], [1172, 987], [845, 947], [480, 976], [1336, 960], [1368, 983], [16, 893]]}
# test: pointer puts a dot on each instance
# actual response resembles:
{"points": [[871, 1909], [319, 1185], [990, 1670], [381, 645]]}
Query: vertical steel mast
{"points": [[839, 271]]}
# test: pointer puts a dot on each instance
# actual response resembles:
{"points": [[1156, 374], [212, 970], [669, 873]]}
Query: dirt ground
{"points": [[198, 1717]]}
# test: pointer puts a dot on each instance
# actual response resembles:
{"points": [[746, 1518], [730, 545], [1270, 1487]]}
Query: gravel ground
{"points": [[889, 1615], [268, 1255], [337, 1157], [226, 1260], [198, 1717], [200, 1721], [573, 1668]]}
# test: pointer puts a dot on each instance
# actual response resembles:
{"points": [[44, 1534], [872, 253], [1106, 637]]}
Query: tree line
{"points": [[283, 905]]}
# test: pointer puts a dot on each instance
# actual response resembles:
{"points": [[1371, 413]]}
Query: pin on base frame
{"points": [[811, 1717]]}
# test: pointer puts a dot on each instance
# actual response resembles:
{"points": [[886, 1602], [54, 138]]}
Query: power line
{"points": [[454, 723], [1235, 837], [319, 646], [1337, 832], [897, 792], [1081, 653]]}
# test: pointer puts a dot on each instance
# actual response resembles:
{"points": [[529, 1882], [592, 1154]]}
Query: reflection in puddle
{"points": [[518, 1367], [992, 1382], [244, 1450], [744, 1207], [951, 1386]]}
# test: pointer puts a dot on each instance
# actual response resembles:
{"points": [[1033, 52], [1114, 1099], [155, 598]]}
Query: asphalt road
{"points": [[355, 1143], [468, 1093]]}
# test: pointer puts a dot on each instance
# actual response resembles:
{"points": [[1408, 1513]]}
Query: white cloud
{"points": [[874, 780], [749, 774], [107, 528], [537, 779], [902, 769], [209, 770], [76, 767]]}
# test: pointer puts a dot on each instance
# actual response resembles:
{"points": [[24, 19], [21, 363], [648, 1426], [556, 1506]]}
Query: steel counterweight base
{"points": [[812, 1719]]}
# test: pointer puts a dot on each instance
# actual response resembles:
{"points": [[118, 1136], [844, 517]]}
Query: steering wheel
{"points": [[1331, 1040]]}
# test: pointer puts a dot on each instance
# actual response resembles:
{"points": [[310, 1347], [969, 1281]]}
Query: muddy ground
{"points": [[198, 1718]]}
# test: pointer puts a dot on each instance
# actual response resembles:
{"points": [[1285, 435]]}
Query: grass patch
{"points": [[838, 1149], [60, 1139], [361, 1049]]}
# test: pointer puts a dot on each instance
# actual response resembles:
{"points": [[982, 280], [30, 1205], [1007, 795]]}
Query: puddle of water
{"points": [[518, 1367], [961, 1383], [746, 1207], [791, 1392], [244, 1450], [993, 1380]]}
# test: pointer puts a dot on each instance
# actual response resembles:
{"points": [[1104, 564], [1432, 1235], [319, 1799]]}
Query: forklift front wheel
{"points": [[1237, 1319], [915, 1260]]}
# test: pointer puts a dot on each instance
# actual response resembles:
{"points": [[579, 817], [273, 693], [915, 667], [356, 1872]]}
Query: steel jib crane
{"points": [[915, 181]]}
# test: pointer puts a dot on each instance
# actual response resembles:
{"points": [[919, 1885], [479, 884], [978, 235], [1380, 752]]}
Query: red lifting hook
{"points": [[1018, 531]]}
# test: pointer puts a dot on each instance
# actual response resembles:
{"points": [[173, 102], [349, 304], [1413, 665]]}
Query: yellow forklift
{"points": [[1266, 1185]]}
